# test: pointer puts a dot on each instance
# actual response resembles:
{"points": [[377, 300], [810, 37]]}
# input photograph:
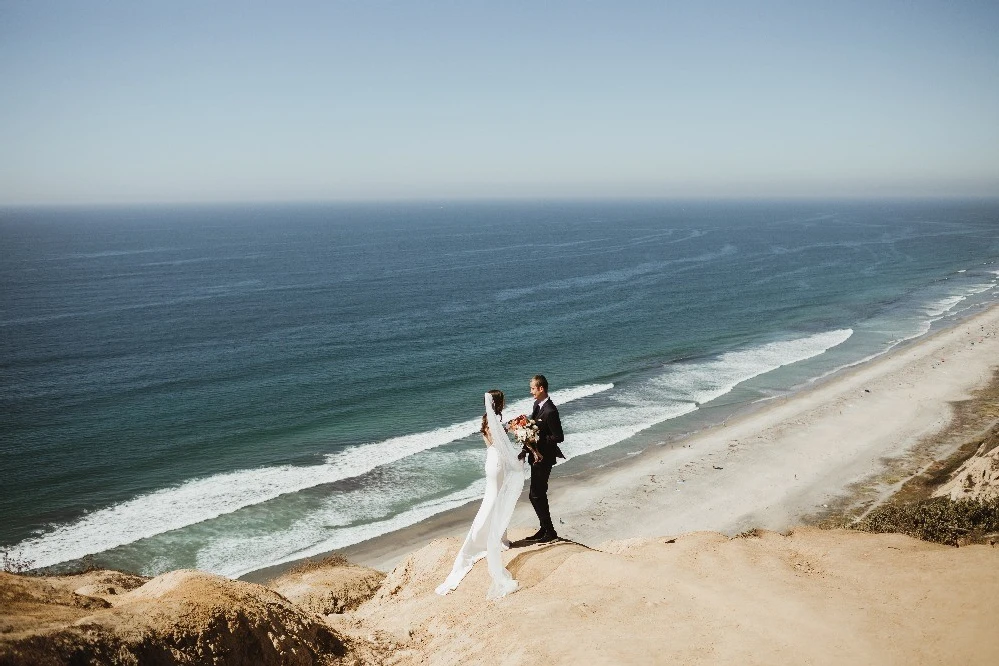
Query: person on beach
{"points": [[550, 435], [504, 483]]}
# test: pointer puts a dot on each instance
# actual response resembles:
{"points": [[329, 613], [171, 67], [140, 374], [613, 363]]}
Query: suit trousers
{"points": [[539, 494]]}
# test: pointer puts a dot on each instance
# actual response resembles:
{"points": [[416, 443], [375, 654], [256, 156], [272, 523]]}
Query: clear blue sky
{"points": [[135, 101]]}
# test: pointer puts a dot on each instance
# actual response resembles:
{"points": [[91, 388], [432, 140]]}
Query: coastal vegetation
{"points": [[16, 564], [954, 501], [939, 519]]}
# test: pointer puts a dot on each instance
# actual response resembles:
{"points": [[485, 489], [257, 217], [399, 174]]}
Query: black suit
{"points": [[550, 435]]}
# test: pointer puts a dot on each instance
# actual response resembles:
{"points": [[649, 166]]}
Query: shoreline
{"points": [[773, 464]]}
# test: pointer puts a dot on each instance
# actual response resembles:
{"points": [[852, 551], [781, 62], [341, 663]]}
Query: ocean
{"points": [[230, 387]]}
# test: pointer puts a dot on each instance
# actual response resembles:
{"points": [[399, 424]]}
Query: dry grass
{"points": [[15, 564], [328, 562]]}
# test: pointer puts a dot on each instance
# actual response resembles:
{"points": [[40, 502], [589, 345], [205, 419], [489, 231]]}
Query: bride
{"points": [[504, 483]]}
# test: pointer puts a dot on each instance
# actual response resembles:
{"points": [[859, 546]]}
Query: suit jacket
{"points": [[550, 433]]}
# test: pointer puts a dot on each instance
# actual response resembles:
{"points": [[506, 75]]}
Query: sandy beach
{"points": [[784, 463]]}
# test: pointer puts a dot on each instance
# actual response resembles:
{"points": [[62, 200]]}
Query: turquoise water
{"points": [[229, 387]]}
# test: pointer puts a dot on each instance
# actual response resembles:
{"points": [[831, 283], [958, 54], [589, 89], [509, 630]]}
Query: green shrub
{"points": [[939, 520]]}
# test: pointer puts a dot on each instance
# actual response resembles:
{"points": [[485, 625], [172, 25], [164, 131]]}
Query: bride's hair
{"points": [[497, 407]]}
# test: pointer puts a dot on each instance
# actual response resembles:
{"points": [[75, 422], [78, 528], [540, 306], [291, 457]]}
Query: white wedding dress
{"points": [[487, 536]]}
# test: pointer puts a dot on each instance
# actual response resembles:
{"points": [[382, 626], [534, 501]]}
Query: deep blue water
{"points": [[227, 387]]}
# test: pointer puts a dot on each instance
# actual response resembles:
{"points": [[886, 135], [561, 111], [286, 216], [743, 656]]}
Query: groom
{"points": [[549, 437]]}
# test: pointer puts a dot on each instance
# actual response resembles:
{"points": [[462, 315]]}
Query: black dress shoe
{"points": [[537, 535], [547, 537]]}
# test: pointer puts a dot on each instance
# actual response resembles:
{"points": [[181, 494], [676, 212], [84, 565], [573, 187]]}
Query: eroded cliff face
{"points": [[328, 588], [181, 617], [978, 477]]}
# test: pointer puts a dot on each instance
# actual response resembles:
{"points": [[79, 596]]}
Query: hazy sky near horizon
{"points": [[112, 101]]}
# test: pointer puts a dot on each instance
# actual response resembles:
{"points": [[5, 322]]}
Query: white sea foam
{"points": [[112, 253], [939, 307], [683, 387], [203, 499], [236, 556], [181, 262], [617, 275], [206, 293], [601, 428], [706, 380], [945, 305], [935, 311]]}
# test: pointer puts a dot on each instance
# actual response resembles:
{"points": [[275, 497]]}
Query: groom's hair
{"points": [[540, 381]]}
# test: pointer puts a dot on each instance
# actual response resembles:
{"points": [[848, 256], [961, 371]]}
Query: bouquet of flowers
{"points": [[525, 431]]}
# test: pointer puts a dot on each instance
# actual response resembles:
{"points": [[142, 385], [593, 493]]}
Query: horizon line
{"points": [[501, 199]]}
